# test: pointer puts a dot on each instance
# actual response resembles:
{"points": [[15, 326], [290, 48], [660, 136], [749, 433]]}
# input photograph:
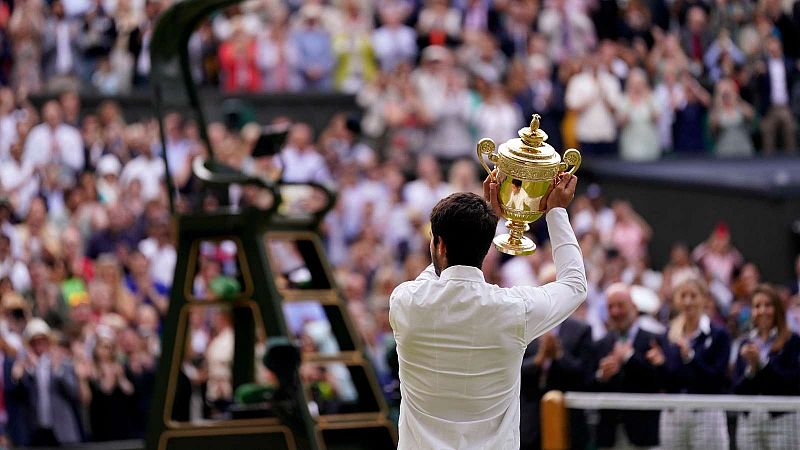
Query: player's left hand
{"points": [[491, 192]]}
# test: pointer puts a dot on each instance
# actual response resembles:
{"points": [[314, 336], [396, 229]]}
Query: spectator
{"points": [[219, 357], [139, 43], [355, 63], [146, 167], [237, 58], [445, 104], [44, 389], [558, 360], [108, 189], [60, 51], [98, 33], [594, 94], [17, 178], [776, 76], [630, 360], [70, 102], [638, 115], [568, 30], [302, 162], [497, 117], [697, 364], [729, 119], [438, 24], [394, 43], [767, 364], [54, 141], [696, 38], [25, 27], [716, 257], [278, 58], [690, 114], [112, 394], [106, 79], [667, 95], [15, 315], [631, 233], [543, 95], [315, 49], [428, 189]]}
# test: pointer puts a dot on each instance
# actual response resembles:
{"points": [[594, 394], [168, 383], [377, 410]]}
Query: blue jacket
{"points": [[779, 376], [636, 375], [707, 371]]}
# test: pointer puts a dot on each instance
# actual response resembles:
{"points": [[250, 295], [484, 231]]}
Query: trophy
{"points": [[525, 168]]}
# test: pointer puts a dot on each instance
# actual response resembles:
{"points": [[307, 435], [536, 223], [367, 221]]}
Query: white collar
{"points": [[467, 273]]}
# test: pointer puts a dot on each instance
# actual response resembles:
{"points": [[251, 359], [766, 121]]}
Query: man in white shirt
{"points": [[146, 167], [519, 199], [460, 341], [54, 141], [595, 94], [302, 162]]}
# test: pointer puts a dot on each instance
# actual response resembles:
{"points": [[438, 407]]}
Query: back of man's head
{"points": [[466, 224]]}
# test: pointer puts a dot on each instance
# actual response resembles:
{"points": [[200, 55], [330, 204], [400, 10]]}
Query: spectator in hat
{"points": [[717, 257], [108, 169], [44, 392]]}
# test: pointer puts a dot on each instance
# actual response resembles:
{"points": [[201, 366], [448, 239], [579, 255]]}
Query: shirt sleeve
{"points": [[549, 305]]}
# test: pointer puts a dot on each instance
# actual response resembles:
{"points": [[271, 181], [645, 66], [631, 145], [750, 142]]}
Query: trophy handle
{"points": [[487, 147], [572, 158]]}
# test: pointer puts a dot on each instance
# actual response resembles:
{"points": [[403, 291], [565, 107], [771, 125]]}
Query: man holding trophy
{"points": [[460, 340]]}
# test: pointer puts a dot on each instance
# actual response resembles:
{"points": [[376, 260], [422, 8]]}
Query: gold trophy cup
{"points": [[525, 167]]}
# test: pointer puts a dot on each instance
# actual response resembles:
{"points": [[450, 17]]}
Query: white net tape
{"points": [[644, 402]]}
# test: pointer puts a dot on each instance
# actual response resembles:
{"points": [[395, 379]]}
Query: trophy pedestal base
{"points": [[504, 244]]}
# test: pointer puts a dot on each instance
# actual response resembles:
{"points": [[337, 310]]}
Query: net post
{"points": [[554, 424]]}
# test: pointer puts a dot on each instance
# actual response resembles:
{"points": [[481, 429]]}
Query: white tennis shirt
{"points": [[460, 343]]}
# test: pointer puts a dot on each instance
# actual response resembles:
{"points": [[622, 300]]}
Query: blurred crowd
{"points": [[639, 79], [87, 257], [87, 254]]}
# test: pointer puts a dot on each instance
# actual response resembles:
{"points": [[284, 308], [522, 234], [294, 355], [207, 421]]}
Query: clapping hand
{"points": [[491, 191], [750, 354], [655, 355]]}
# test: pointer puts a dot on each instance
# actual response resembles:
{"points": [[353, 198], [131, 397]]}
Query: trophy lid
{"points": [[530, 149]]}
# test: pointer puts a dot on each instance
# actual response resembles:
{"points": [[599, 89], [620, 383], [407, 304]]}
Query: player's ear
{"points": [[440, 248]]}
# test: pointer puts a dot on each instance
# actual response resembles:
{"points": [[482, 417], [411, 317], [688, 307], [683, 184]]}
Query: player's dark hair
{"points": [[466, 224]]}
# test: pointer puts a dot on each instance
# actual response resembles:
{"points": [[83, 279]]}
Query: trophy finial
{"points": [[533, 136], [535, 122]]}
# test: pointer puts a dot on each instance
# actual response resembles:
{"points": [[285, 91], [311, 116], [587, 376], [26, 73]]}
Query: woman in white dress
{"points": [[638, 115]]}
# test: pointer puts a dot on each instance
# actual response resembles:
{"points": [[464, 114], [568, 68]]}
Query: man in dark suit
{"points": [[631, 360], [44, 391], [560, 359], [775, 77], [544, 95], [139, 43]]}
